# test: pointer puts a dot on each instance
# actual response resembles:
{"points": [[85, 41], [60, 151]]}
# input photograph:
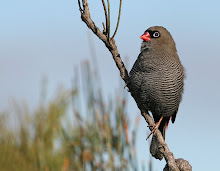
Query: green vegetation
{"points": [[70, 132]]}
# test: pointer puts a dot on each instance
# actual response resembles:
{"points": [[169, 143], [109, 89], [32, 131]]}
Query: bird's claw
{"points": [[126, 85], [155, 127]]}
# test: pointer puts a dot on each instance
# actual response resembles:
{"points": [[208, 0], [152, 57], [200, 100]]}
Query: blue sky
{"points": [[47, 38]]}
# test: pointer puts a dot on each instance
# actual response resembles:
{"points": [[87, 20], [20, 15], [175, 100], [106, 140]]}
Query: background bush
{"points": [[76, 130]]}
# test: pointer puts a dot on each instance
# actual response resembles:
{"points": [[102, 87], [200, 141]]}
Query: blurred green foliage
{"points": [[76, 130]]}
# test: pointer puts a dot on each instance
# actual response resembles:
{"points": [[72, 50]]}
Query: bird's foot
{"points": [[155, 127]]}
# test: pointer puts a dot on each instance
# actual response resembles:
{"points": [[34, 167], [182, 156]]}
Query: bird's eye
{"points": [[156, 34]]}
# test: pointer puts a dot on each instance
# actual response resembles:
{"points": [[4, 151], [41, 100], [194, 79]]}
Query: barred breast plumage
{"points": [[157, 77]]}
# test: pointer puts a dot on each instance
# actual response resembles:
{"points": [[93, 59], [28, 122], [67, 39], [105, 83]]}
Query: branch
{"points": [[110, 44]]}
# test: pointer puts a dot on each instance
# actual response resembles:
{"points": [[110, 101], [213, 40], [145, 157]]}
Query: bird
{"points": [[156, 80]]}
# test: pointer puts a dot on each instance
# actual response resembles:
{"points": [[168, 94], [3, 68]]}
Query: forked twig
{"points": [[80, 8], [110, 43]]}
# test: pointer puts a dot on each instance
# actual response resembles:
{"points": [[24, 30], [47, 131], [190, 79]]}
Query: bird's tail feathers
{"points": [[163, 126]]}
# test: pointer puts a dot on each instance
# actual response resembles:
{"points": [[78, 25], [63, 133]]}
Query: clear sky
{"points": [[47, 38]]}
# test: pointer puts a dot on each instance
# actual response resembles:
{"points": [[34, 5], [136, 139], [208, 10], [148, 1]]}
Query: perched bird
{"points": [[157, 78]]}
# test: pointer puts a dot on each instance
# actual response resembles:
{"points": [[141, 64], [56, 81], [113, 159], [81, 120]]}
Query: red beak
{"points": [[145, 36]]}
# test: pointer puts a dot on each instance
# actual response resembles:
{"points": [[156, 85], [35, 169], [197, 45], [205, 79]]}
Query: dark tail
{"points": [[163, 125]]}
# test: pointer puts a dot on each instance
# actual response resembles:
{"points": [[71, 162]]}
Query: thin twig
{"points": [[119, 14], [106, 15], [104, 29], [108, 29], [80, 8]]}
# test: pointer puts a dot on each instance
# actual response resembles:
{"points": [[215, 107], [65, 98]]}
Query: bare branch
{"points": [[119, 14], [110, 44]]}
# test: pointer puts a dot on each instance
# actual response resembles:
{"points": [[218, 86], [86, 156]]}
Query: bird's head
{"points": [[157, 38]]}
